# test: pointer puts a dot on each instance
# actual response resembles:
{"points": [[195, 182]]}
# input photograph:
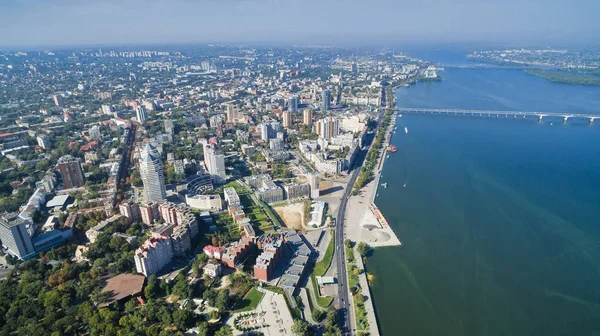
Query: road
{"points": [[344, 303]]}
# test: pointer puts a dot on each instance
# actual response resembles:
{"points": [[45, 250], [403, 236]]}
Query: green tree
{"points": [[225, 331], [301, 328]]}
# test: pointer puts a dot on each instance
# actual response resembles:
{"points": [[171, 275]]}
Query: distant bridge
{"points": [[498, 114]]}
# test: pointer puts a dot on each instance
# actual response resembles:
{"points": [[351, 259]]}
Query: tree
{"points": [[348, 243], [300, 328], [183, 319], [222, 300], [203, 329], [363, 249], [152, 288], [225, 331], [317, 315]]}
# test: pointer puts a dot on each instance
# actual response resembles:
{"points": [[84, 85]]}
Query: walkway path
{"points": [[366, 292]]}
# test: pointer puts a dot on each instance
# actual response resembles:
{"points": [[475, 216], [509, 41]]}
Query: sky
{"points": [[332, 22]]}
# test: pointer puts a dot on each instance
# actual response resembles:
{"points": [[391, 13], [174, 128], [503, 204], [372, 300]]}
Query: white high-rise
{"points": [[215, 163], [152, 175], [140, 114]]}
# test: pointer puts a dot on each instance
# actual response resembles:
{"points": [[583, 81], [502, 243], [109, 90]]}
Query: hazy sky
{"points": [[97, 22]]}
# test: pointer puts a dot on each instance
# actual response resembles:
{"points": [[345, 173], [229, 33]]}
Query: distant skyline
{"points": [[59, 23]]}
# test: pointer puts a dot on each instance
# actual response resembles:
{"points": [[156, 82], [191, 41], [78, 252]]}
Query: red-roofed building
{"points": [[213, 251]]}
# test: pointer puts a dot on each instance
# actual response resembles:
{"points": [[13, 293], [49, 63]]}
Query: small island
{"points": [[566, 77]]}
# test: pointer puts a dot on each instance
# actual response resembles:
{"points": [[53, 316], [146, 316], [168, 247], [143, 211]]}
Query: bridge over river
{"points": [[498, 114]]}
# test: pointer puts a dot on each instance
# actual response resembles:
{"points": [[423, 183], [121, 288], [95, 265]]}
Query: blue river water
{"points": [[499, 218]]}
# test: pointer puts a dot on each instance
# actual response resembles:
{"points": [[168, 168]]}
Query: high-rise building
{"points": [[231, 115], [140, 114], [14, 236], [152, 175], [265, 131], [325, 100], [287, 119], [42, 141], [313, 181], [307, 117], [71, 172], [58, 100], [95, 133], [169, 129], [328, 128], [293, 104], [215, 163]]}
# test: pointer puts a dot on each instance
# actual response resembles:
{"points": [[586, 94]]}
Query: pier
{"points": [[500, 114]]}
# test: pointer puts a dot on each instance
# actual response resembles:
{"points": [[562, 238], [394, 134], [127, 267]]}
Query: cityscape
{"points": [[200, 181], [304, 169]]}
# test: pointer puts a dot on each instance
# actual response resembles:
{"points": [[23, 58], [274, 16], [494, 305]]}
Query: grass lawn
{"points": [[250, 301], [322, 266], [319, 269]]}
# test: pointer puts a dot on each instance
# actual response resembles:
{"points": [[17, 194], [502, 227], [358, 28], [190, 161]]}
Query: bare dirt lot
{"points": [[292, 215]]}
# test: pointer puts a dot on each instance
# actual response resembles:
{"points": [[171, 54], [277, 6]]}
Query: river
{"points": [[499, 219]]}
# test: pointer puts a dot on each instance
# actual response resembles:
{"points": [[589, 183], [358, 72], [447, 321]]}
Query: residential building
{"points": [[58, 100], [294, 191], [169, 128], [130, 210], [287, 119], [149, 212], [276, 144], [95, 133], [213, 251], [307, 117], [153, 255], [152, 175], [140, 114], [212, 270], [269, 259], [42, 141], [265, 131], [71, 172]]}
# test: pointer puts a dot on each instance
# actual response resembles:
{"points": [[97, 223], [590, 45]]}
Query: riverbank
{"points": [[366, 224], [566, 77]]}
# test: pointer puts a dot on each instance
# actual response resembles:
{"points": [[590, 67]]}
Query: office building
{"points": [[140, 114], [287, 119], [231, 196], [152, 175], [153, 255], [215, 163], [292, 104], [265, 131], [204, 202], [71, 172], [14, 236], [307, 117], [325, 100]]}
